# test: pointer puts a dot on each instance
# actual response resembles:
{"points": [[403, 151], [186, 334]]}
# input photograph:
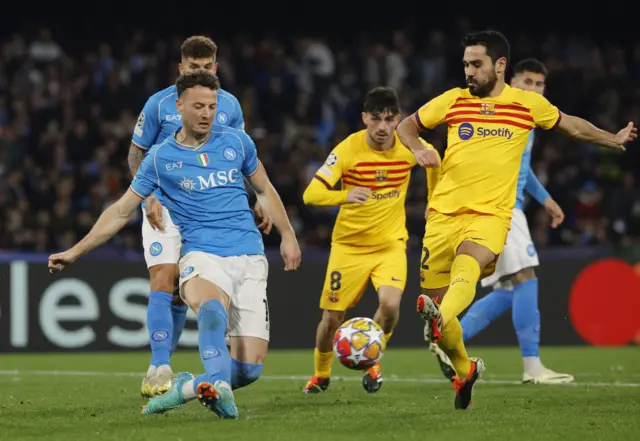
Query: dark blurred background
{"points": [[71, 89]]}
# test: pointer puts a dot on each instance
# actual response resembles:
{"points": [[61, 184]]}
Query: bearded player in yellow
{"points": [[470, 210], [370, 235]]}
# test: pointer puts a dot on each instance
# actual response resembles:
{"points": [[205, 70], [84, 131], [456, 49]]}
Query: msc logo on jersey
{"points": [[229, 154], [465, 131], [155, 249], [381, 175], [487, 109], [219, 178], [222, 118]]}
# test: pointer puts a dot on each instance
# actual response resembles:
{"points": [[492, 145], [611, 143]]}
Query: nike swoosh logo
{"points": [[396, 280]]}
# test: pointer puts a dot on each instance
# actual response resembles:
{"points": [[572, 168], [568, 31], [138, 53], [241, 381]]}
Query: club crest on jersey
{"points": [[381, 175], [229, 154], [222, 118], [188, 185], [487, 109], [203, 159]]}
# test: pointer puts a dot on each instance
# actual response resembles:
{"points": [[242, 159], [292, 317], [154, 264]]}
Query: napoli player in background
{"points": [[223, 271], [159, 119], [514, 283]]}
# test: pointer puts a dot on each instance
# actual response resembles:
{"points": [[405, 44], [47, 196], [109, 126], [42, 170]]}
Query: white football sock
{"points": [[187, 390], [532, 365]]}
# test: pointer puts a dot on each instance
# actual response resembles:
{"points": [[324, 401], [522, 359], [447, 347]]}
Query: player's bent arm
{"points": [[112, 220], [582, 130], [319, 193], [535, 188], [409, 133], [270, 200], [135, 157]]}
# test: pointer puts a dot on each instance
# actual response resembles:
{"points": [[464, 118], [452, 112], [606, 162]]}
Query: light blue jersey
{"points": [[527, 180], [204, 190], [160, 118]]}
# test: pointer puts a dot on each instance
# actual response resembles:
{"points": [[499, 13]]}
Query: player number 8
{"points": [[336, 278]]}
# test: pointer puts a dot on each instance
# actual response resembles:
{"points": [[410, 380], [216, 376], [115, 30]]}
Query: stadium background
{"points": [[68, 102]]}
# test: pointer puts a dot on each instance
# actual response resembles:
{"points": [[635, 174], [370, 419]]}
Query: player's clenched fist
{"points": [[427, 158], [358, 195], [57, 262], [290, 251]]}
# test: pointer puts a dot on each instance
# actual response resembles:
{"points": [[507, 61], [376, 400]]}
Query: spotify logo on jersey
{"points": [[465, 131]]}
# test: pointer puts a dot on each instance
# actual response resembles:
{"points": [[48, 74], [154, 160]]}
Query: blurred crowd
{"points": [[66, 119]]}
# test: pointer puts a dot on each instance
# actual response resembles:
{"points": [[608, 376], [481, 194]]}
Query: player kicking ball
{"points": [[514, 283], [369, 237], [223, 271], [159, 119], [470, 212]]}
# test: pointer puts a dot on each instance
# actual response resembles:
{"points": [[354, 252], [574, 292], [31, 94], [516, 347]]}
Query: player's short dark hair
{"points": [[530, 65], [197, 78], [380, 100], [198, 46], [495, 42]]}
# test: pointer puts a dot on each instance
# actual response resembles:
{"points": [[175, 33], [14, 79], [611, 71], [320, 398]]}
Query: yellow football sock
{"points": [[322, 362], [465, 272], [387, 337], [452, 344]]}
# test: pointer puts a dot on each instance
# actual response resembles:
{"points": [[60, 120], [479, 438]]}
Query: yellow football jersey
{"points": [[382, 217], [486, 140]]}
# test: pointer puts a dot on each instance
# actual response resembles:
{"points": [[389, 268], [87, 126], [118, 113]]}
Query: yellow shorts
{"points": [[348, 273], [443, 235]]}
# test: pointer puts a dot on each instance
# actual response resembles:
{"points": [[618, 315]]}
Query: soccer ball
{"points": [[359, 343]]}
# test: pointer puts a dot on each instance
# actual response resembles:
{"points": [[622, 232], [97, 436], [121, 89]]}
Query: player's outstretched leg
{"points": [[526, 321], [449, 339], [212, 388], [173, 398], [484, 311], [323, 352]]}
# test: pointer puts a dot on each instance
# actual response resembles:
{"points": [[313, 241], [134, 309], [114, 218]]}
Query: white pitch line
{"points": [[391, 379]]}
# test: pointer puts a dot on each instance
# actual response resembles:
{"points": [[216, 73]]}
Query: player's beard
{"points": [[483, 90]]}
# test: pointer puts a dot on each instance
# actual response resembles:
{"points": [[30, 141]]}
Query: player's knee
{"points": [[332, 319], [163, 278], [524, 275], [483, 255], [243, 374], [390, 306]]}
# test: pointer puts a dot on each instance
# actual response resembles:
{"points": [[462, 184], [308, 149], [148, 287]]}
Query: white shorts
{"points": [[161, 247], [244, 279], [519, 252]]}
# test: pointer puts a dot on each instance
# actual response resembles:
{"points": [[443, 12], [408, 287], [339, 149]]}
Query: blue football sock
{"points": [[484, 311], [212, 323], [160, 327], [179, 318], [243, 374], [526, 317]]}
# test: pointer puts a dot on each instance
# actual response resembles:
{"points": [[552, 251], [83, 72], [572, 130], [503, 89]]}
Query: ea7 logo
{"points": [[173, 117], [174, 165]]}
